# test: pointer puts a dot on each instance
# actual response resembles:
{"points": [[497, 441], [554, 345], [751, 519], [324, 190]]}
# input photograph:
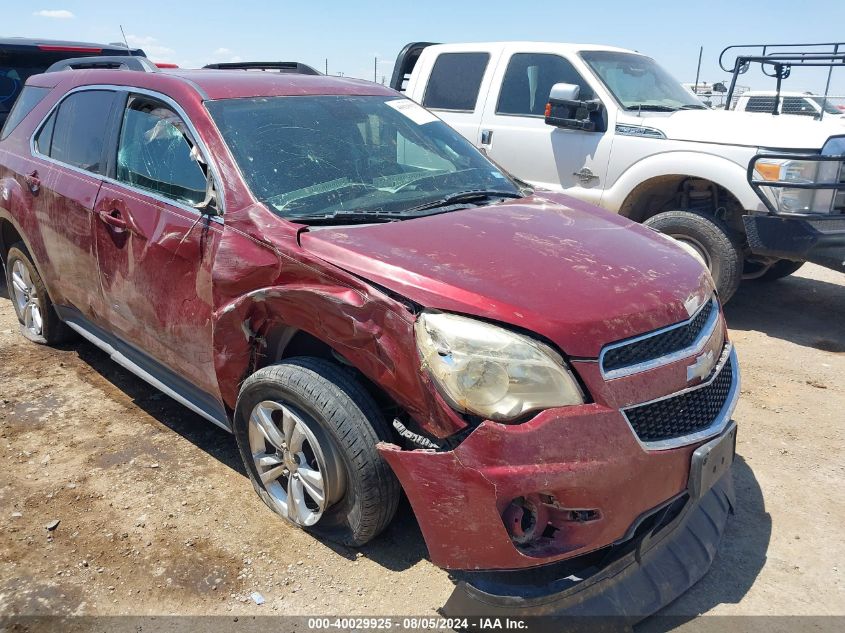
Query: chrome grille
{"points": [[626, 357], [691, 414]]}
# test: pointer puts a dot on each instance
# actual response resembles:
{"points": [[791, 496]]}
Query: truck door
{"points": [[517, 137], [454, 85]]}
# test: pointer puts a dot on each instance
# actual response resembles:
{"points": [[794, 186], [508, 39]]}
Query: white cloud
{"points": [[151, 47], [225, 55], [56, 14]]}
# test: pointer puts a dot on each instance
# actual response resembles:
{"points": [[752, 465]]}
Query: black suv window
{"points": [[76, 132], [30, 97], [156, 152], [455, 81], [529, 79]]}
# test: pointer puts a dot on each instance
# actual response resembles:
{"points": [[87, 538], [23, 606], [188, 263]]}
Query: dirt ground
{"points": [[157, 516]]}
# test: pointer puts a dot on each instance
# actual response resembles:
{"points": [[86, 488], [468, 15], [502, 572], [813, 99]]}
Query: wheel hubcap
{"points": [[25, 296], [302, 476]]}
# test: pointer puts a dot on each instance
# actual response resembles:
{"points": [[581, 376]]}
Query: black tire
{"points": [[722, 252], [53, 329], [779, 270], [338, 410]]}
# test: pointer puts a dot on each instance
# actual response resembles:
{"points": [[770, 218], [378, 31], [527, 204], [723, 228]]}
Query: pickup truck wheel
{"points": [[779, 270], [33, 307], [709, 240], [307, 433]]}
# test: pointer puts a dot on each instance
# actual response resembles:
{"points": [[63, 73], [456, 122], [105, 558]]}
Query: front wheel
{"points": [[307, 433], [707, 239]]}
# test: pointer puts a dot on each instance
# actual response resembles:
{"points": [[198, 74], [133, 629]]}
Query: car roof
{"points": [[772, 93], [529, 46], [213, 84], [57, 45]]}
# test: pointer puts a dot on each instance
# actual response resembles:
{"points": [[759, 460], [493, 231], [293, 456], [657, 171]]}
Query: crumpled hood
{"points": [[751, 129], [578, 275]]}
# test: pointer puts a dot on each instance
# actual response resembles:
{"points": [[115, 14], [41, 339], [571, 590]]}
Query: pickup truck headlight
{"points": [[492, 372], [798, 185]]}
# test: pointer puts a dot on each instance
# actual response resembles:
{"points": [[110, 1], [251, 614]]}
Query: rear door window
{"points": [[79, 130], [760, 104], [30, 97], [455, 81]]}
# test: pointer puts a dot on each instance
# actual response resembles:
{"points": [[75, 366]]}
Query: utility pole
{"points": [[698, 70], [375, 70], [327, 65]]}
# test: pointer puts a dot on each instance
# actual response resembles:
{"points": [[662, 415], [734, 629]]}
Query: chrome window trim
{"points": [[699, 344], [721, 420], [161, 198]]}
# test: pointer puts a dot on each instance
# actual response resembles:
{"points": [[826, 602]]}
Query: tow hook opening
{"points": [[540, 521]]}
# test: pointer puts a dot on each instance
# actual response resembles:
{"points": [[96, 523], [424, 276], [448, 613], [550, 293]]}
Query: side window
{"points": [[156, 152], [529, 79], [798, 105], [79, 129], [760, 104], [30, 97], [44, 136], [455, 81]]}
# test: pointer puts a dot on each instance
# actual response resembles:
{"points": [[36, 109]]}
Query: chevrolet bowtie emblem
{"points": [[701, 367]]}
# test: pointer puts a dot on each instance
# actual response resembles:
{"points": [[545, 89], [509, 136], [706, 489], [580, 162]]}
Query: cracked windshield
{"points": [[361, 158]]}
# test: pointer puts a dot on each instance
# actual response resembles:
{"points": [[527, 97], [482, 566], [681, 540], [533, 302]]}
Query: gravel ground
{"points": [[156, 516]]}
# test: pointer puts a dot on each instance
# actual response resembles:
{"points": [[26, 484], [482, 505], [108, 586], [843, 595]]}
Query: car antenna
{"points": [[125, 41]]}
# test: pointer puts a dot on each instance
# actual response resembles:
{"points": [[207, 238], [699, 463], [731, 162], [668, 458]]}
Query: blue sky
{"points": [[351, 34]]}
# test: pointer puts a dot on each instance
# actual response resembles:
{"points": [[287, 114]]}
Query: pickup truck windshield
{"points": [[639, 83], [326, 157]]}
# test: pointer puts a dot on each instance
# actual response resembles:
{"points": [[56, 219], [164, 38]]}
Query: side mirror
{"points": [[565, 110]]}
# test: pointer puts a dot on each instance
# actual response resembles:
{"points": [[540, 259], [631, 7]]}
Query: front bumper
{"points": [[818, 240], [641, 577], [580, 475]]}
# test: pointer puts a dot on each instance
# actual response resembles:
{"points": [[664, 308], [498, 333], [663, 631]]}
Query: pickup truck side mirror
{"points": [[565, 110]]}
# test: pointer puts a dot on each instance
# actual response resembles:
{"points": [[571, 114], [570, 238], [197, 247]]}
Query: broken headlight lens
{"points": [[489, 371], [817, 183]]}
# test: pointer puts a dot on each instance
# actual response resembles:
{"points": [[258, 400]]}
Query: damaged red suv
{"points": [[328, 271]]}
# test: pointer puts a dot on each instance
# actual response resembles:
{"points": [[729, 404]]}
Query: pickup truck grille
{"points": [[622, 358], [689, 413]]}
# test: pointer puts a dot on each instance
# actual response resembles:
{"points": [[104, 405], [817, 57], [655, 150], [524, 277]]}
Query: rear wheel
{"points": [[34, 309], [707, 239], [307, 433]]}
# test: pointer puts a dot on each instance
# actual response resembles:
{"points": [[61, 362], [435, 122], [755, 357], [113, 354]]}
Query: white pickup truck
{"points": [[612, 127]]}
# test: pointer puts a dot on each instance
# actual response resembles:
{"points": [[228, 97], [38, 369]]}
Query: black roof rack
{"points": [[297, 68], [777, 60], [116, 62]]}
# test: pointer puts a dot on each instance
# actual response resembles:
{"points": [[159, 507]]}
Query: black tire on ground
{"points": [[339, 411], [53, 329], [779, 270], [721, 250]]}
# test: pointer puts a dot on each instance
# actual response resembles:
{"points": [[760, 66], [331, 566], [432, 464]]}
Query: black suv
{"points": [[21, 57]]}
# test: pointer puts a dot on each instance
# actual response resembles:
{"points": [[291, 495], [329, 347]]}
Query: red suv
{"points": [[325, 269]]}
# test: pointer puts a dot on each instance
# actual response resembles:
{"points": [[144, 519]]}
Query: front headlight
{"points": [[489, 371], [817, 182]]}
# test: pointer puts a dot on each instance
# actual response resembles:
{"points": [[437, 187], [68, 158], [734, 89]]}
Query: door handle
{"points": [[113, 219], [33, 182], [486, 137]]}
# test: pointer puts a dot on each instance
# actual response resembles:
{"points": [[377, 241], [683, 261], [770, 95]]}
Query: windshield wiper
{"points": [[692, 106], [349, 217], [651, 107], [464, 196]]}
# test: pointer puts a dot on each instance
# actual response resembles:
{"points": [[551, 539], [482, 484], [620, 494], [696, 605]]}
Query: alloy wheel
{"points": [[25, 296], [302, 476]]}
